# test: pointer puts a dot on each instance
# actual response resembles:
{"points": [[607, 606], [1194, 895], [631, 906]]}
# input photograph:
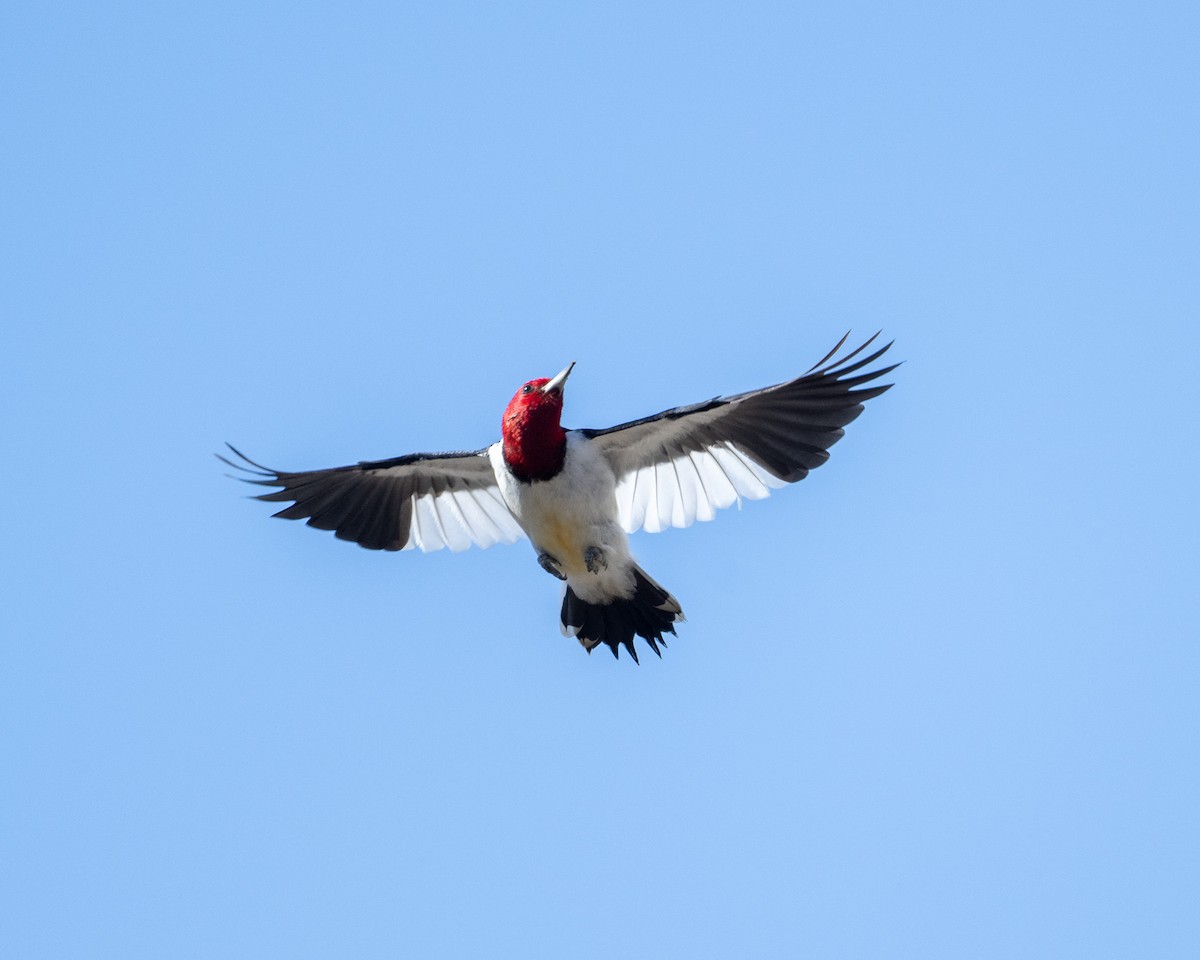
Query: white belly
{"points": [[571, 512]]}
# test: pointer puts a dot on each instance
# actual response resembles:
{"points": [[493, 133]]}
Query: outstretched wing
{"points": [[423, 500], [684, 464]]}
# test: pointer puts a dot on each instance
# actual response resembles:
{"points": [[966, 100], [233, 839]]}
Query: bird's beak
{"points": [[556, 385]]}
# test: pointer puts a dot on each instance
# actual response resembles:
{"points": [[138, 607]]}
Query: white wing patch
{"points": [[459, 518], [690, 487]]}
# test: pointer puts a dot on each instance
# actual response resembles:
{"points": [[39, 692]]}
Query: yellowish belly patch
{"points": [[564, 543]]}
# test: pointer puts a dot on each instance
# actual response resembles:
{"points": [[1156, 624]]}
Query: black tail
{"points": [[649, 613]]}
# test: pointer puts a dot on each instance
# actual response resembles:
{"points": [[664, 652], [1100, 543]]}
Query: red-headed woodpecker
{"points": [[577, 493]]}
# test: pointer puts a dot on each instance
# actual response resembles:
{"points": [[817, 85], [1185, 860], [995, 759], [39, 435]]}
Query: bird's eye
{"points": [[528, 388]]}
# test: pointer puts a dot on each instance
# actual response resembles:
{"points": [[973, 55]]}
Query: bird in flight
{"points": [[576, 494]]}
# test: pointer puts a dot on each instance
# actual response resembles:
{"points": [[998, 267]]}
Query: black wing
{"points": [[423, 500], [683, 464]]}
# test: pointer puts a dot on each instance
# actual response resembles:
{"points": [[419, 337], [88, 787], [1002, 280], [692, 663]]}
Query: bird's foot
{"points": [[551, 566], [595, 560]]}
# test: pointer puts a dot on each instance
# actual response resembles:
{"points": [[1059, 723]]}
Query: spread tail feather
{"points": [[649, 613]]}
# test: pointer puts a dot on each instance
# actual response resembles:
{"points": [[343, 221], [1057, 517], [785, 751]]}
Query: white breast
{"points": [[572, 511]]}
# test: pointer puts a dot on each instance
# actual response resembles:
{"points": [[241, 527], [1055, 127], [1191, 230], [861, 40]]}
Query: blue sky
{"points": [[938, 700]]}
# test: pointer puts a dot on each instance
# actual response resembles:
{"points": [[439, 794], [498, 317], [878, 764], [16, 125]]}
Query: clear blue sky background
{"points": [[939, 700]]}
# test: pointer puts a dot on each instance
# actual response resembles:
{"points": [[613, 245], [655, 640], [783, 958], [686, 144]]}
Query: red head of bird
{"points": [[534, 441]]}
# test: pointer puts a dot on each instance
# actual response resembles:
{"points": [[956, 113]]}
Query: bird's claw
{"points": [[550, 565], [594, 558]]}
